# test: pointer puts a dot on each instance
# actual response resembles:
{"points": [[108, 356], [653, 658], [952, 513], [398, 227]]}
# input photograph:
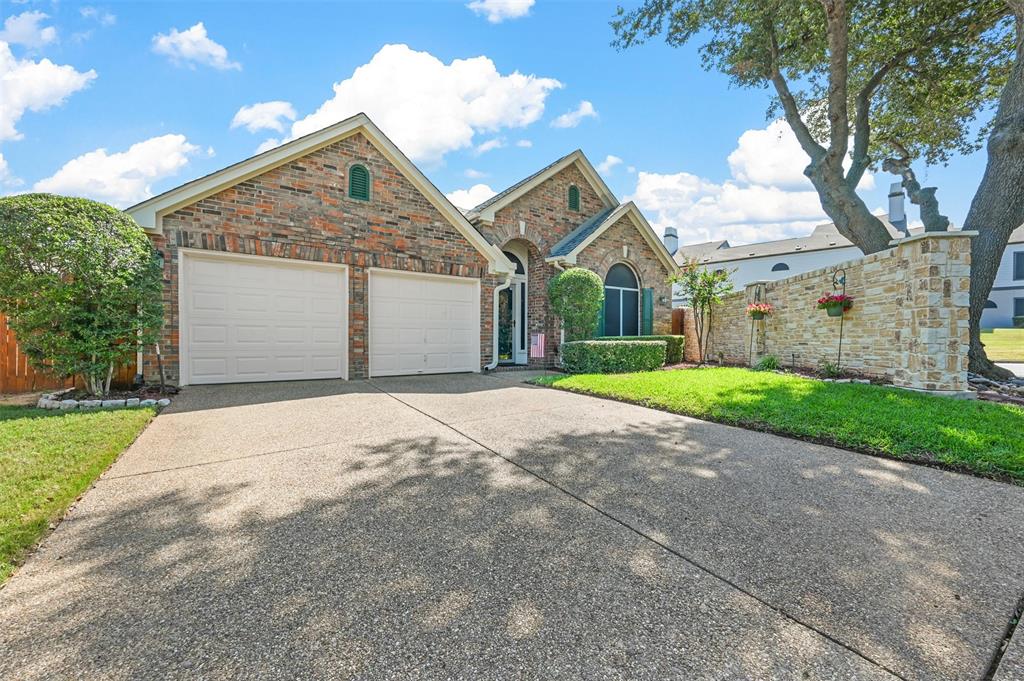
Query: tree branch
{"points": [[789, 105], [919, 196], [862, 123], [837, 33]]}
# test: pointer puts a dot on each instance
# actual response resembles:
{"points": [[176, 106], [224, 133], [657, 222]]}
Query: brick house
{"points": [[333, 256]]}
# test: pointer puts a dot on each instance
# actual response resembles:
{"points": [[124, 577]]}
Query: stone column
{"points": [[934, 333]]}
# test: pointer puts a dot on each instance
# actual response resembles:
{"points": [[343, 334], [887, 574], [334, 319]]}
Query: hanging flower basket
{"points": [[760, 310], [835, 304]]}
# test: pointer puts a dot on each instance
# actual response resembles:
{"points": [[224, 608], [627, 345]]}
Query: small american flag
{"points": [[537, 345]]}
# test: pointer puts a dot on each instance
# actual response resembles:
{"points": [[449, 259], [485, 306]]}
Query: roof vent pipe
{"points": [[671, 240], [897, 211]]}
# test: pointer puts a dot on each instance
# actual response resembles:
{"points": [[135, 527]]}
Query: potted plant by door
{"points": [[835, 304], [760, 310]]}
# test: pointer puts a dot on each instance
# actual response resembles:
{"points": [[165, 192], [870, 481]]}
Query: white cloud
{"points": [[192, 46], [524, 144], [268, 144], [489, 145], [264, 116], [33, 86], [24, 29], [571, 119], [468, 198], [474, 174], [121, 178], [704, 211], [429, 108], [102, 16], [498, 11], [773, 156], [7, 179], [608, 164], [768, 197]]}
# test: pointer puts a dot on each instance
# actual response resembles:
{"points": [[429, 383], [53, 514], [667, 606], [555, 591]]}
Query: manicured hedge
{"points": [[673, 351], [611, 356]]}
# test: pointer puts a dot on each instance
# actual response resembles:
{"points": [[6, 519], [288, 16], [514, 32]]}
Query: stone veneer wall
{"points": [[908, 324]]}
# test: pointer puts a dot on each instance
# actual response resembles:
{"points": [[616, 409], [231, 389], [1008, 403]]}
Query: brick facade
{"points": [[301, 210], [546, 218], [908, 324]]}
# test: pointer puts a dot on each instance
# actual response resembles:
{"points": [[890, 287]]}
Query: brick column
{"points": [[934, 320]]}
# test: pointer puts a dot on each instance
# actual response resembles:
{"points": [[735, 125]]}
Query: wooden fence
{"points": [[18, 376]]}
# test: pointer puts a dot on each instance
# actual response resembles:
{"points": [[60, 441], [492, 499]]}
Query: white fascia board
{"points": [[578, 157], [149, 212]]}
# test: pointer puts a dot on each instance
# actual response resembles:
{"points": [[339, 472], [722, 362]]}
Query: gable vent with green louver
{"points": [[359, 183], [574, 198]]}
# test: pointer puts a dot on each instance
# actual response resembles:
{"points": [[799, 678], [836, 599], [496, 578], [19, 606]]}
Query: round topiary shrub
{"points": [[80, 284], [576, 296]]}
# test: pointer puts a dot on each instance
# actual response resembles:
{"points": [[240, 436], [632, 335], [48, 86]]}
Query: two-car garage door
{"points": [[246, 319]]}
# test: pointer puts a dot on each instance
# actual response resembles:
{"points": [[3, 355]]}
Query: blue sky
{"points": [[122, 100]]}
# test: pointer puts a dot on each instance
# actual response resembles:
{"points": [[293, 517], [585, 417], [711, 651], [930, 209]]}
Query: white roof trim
{"points": [[640, 222], [149, 213], [578, 157]]}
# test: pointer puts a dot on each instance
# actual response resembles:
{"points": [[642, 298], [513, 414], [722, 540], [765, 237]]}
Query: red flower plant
{"points": [[830, 300]]}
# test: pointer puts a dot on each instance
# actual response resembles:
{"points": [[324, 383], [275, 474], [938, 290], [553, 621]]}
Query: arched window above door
{"points": [[520, 269]]}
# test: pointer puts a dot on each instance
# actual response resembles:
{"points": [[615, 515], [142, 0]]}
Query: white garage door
{"points": [[423, 324], [261, 319]]}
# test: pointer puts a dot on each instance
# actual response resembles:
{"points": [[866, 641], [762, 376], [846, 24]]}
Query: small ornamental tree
{"points": [[704, 289], [80, 284], [576, 296]]}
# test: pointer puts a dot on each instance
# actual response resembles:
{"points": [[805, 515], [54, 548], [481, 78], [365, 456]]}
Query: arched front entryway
{"points": [[621, 302], [512, 308]]}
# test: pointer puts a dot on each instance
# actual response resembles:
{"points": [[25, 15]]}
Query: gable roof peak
{"points": [[486, 210]]}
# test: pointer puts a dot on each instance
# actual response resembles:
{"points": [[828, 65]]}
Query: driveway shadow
{"points": [[412, 556]]}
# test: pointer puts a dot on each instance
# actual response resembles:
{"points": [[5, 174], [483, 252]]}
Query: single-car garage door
{"points": [[423, 324], [247, 318]]}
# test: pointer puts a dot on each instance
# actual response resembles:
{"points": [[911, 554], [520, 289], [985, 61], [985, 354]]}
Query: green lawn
{"points": [[980, 437], [47, 459], [1004, 345]]}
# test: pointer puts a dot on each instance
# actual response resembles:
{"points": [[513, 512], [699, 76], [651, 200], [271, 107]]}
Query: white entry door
{"points": [[247, 318], [423, 324]]}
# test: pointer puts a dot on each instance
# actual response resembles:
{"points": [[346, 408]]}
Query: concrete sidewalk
{"points": [[477, 527]]}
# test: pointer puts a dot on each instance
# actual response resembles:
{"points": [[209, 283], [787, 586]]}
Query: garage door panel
{"points": [[423, 324], [262, 320]]}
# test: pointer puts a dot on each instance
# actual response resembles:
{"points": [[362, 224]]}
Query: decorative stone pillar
{"points": [[934, 317]]}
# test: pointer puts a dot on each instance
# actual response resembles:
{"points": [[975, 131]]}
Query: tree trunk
{"points": [[847, 210], [998, 206]]}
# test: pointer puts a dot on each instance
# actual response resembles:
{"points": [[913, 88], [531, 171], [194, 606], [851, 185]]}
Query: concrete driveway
{"points": [[475, 527]]}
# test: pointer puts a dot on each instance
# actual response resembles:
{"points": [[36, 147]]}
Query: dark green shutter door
{"points": [[599, 330], [574, 198], [647, 314]]}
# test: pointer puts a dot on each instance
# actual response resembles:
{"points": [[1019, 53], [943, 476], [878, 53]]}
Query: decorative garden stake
{"points": [[757, 311], [836, 304]]}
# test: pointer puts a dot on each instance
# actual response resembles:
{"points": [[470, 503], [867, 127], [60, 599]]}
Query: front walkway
{"points": [[476, 527]]}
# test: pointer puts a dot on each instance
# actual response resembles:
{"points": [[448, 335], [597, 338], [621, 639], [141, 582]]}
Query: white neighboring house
{"points": [[1006, 300]]}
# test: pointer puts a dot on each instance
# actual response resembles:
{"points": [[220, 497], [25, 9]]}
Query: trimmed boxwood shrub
{"points": [[673, 351], [610, 357]]}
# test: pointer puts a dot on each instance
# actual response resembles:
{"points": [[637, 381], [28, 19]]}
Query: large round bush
{"points": [[80, 284], [576, 296]]}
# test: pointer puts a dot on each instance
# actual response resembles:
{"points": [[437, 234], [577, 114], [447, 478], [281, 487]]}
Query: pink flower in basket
{"points": [[760, 310]]}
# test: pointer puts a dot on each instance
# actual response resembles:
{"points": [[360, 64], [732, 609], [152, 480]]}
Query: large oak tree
{"points": [[869, 84]]}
